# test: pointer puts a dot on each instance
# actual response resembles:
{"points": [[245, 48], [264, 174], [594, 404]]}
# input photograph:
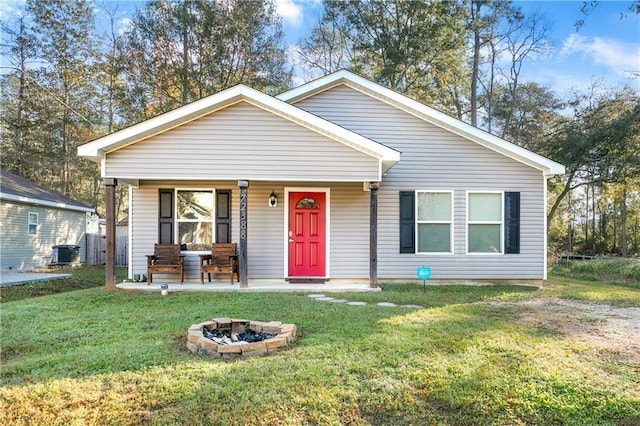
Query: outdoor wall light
{"points": [[273, 199]]}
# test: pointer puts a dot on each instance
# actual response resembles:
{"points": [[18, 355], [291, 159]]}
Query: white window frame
{"points": [[30, 223], [449, 222], [475, 222], [177, 221]]}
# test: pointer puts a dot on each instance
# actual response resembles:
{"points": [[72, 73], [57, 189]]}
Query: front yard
{"points": [[566, 354]]}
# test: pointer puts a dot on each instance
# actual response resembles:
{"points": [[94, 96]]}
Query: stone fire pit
{"points": [[205, 338]]}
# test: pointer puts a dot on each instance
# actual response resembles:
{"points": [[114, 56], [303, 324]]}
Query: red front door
{"points": [[307, 243]]}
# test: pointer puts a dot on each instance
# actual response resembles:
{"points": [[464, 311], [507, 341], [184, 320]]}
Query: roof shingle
{"points": [[19, 187]]}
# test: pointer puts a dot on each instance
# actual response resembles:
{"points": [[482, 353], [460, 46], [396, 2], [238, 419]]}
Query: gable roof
{"points": [[97, 149], [16, 188], [417, 109]]}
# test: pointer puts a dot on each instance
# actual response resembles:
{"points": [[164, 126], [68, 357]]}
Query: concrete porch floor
{"points": [[254, 285]]}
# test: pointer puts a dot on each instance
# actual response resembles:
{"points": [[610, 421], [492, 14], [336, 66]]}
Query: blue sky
{"points": [[606, 49]]}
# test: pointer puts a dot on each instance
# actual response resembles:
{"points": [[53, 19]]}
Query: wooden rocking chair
{"points": [[222, 260]]}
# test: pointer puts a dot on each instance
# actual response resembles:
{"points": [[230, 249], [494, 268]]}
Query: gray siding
{"points": [[349, 231], [348, 215], [21, 251], [241, 142], [433, 158], [144, 222]]}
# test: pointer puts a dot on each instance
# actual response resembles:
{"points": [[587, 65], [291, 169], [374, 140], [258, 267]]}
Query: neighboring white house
{"points": [[33, 220], [295, 179]]}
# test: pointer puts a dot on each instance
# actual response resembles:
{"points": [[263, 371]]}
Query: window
{"points": [[194, 219], [307, 203], [435, 222], [493, 222], [33, 223], [484, 222]]}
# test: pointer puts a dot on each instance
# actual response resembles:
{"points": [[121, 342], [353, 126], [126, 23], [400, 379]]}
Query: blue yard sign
{"points": [[424, 272]]}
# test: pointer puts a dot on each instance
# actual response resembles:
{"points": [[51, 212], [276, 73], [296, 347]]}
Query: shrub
{"points": [[612, 269]]}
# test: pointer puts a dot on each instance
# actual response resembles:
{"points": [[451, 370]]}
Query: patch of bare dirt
{"points": [[608, 328]]}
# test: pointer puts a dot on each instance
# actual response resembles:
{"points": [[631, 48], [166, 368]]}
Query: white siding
{"points": [[21, 251], [241, 142], [433, 158]]}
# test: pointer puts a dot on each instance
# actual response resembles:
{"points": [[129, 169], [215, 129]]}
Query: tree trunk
{"points": [[565, 191], [623, 223], [475, 17], [594, 238]]}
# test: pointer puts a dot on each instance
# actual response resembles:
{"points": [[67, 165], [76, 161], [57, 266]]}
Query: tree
{"points": [[413, 47], [588, 7], [484, 17], [66, 46], [328, 48], [110, 67], [524, 39], [600, 145], [527, 119], [18, 91], [181, 51], [113, 103], [509, 39]]}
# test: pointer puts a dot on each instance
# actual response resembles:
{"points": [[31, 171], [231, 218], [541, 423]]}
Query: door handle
{"points": [[291, 240]]}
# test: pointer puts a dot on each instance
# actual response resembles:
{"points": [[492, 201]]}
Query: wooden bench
{"points": [[166, 259], [222, 260]]}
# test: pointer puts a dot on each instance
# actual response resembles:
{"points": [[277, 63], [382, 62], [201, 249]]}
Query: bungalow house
{"points": [[34, 220], [339, 178]]}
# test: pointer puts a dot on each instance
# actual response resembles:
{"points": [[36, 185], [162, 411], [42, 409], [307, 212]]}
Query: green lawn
{"points": [[95, 357]]}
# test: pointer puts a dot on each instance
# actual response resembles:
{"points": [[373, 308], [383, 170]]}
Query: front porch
{"points": [[255, 285], [213, 171]]}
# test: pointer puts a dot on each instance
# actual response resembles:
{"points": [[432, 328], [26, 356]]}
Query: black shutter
{"points": [[407, 222], [223, 216], [165, 216], [512, 222]]}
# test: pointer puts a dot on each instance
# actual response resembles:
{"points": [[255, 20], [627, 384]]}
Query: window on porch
{"points": [[194, 219]]}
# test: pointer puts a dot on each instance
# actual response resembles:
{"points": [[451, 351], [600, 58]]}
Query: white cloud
{"points": [[290, 11], [123, 25], [618, 56]]}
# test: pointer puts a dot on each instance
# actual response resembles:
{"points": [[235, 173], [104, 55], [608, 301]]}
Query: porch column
{"points": [[242, 255], [110, 204], [373, 234]]}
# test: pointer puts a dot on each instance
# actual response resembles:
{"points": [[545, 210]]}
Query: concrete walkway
{"points": [[322, 298], [8, 278], [255, 285]]}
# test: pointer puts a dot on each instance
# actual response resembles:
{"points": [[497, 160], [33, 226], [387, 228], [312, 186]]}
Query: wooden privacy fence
{"points": [[96, 246]]}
